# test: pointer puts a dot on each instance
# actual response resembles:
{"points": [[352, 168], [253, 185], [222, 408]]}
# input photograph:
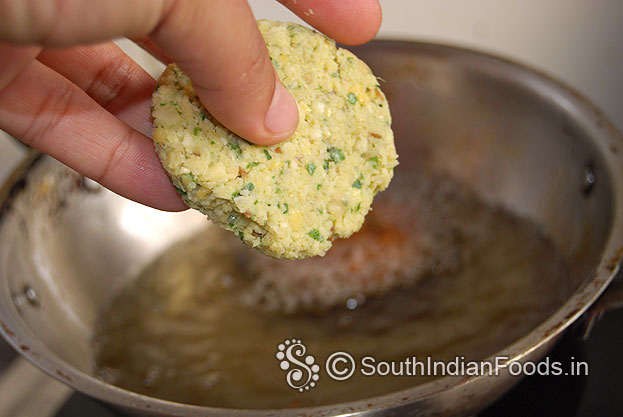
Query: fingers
{"points": [[108, 76], [78, 21], [219, 46], [215, 42], [351, 22], [53, 115]]}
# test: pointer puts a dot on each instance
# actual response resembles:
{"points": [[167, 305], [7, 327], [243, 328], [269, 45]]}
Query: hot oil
{"points": [[184, 332]]}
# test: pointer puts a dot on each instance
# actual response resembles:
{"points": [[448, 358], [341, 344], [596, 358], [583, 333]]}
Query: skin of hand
{"points": [[70, 92]]}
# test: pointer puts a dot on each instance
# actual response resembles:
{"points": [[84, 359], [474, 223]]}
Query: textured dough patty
{"points": [[293, 199]]}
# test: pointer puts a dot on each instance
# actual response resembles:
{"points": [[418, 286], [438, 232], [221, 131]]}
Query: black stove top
{"points": [[599, 394]]}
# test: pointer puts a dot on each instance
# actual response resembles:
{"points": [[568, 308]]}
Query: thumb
{"points": [[218, 45]]}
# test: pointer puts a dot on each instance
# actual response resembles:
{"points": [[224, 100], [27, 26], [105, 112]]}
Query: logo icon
{"points": [[340, 366], [302, 371]]}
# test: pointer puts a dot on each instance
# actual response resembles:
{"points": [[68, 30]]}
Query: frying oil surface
{"points": [[193, 329]]}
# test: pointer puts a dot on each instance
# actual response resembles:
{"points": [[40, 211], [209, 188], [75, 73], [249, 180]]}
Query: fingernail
{"points": [[282, 115]]}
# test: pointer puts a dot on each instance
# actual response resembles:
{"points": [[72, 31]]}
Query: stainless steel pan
{"points": [[519, 138]]}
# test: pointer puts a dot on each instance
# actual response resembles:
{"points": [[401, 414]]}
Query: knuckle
{"points": [[110, 81], [255, 68], [251, 76], [53, 108], [115, 156]]}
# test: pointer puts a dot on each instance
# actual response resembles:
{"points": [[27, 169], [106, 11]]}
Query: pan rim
{"points": [[577, 303]]}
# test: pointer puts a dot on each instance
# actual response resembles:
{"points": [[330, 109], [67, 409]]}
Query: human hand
{"points": [[70, 92]]}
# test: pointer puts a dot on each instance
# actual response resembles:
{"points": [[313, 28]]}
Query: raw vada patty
{"points": [[289, 200]]}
